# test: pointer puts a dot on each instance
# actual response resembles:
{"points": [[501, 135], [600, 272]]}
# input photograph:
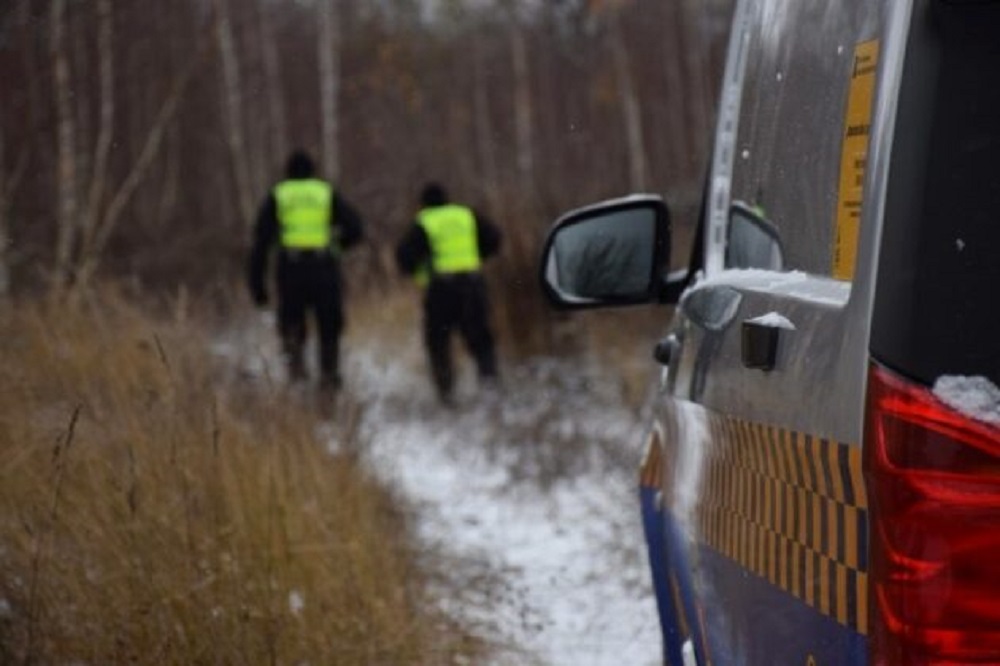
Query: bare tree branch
{"points": [[149, 151]]}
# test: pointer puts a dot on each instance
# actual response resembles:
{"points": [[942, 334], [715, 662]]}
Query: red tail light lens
{"points": [[933, 478]]}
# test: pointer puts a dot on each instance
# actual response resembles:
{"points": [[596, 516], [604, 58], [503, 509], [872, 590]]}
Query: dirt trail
{"points": [[525, 500]]}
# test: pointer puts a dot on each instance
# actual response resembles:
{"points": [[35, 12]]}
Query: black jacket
{"points": [[346, 220], [414, 250]]}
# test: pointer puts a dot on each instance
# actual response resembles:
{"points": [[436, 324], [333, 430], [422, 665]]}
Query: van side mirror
{"points": [[752, 241], [611, 253]]}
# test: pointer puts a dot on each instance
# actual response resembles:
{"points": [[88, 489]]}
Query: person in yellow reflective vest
{"points": [[446, 245], [307, 223]]}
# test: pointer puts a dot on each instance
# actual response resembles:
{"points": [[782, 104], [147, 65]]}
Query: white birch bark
{"points": [[484, 128], [12, 176], [233, 105], [9, 182], [168, 194], [696, 74], [523, 107], [66, 176], [98, 173], [4, 219], [681, 135], [328, 51], [277, 123], [631, 110]]}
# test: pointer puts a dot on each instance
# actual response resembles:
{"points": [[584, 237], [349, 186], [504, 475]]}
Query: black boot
{"points": [[330, 383], [329, 365], [296, 364]]}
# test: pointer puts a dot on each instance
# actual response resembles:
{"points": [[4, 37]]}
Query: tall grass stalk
{"points": [[190, 522]]}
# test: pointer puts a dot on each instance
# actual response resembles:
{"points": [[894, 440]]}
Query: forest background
{"points": [[159, 503], [137, 138]]}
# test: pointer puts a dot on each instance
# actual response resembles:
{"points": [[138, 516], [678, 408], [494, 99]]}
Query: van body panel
{"points": [[768, 518], [799, 391], [766, 486], [807, 496]]}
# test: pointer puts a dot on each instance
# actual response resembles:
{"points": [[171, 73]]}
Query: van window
{"points": [[939, 264], [793, 126], [752, 242]]}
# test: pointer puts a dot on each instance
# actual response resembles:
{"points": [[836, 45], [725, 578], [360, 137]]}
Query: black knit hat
{"points": [[300, 165], [433, 195]]}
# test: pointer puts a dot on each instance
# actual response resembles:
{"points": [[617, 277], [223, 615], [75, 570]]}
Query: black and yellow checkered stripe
{"points": [[790, 508]]}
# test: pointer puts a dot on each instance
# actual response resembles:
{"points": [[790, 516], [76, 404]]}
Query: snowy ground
{"points": [[532, 488]]}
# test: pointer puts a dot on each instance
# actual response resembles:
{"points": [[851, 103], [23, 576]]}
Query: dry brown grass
{"points": [[528, 325], [150, 516], [524, 321]]}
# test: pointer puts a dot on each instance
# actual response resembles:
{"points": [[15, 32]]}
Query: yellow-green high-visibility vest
{"points": [[422, 276], [305, 213], [451, 232]]}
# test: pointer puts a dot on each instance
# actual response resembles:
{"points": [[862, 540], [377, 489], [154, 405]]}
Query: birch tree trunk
{"points": [[328, 51], [259, 161], [631, 110], [233, 105], [523, 108], [681, 135], [9, 182], [277, 123], [698, 79], [66, 176], [484, 129], [4, 219], [99, 169], [168, 193]]}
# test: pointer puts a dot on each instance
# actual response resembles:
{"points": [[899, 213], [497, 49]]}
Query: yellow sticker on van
{"points": [[853, 158]]}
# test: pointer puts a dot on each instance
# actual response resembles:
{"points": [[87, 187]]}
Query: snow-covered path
{"points": [[533, 489]]}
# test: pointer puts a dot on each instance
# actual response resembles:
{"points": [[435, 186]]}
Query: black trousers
{"points": [[457, 303], [310, 288]]}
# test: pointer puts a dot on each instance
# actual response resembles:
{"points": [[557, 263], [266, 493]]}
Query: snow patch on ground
{"points": [[535, 485], [517, 483]]}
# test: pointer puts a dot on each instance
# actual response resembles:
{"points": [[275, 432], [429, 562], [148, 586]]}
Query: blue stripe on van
{"points": [[758, 623]]}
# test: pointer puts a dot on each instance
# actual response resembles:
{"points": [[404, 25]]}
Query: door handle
{"points": [[759, 340], [666, 349]]}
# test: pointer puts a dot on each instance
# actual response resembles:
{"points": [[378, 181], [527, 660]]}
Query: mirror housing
{"points": [[611, 253]]}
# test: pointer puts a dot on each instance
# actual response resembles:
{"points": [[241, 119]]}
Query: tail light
{"points": [[933, 478]]}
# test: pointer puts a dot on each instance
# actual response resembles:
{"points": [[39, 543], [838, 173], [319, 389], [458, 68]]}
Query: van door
{"points": [[761, 420]]}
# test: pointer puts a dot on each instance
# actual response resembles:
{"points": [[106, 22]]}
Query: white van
{"points": [[822, 479]]}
